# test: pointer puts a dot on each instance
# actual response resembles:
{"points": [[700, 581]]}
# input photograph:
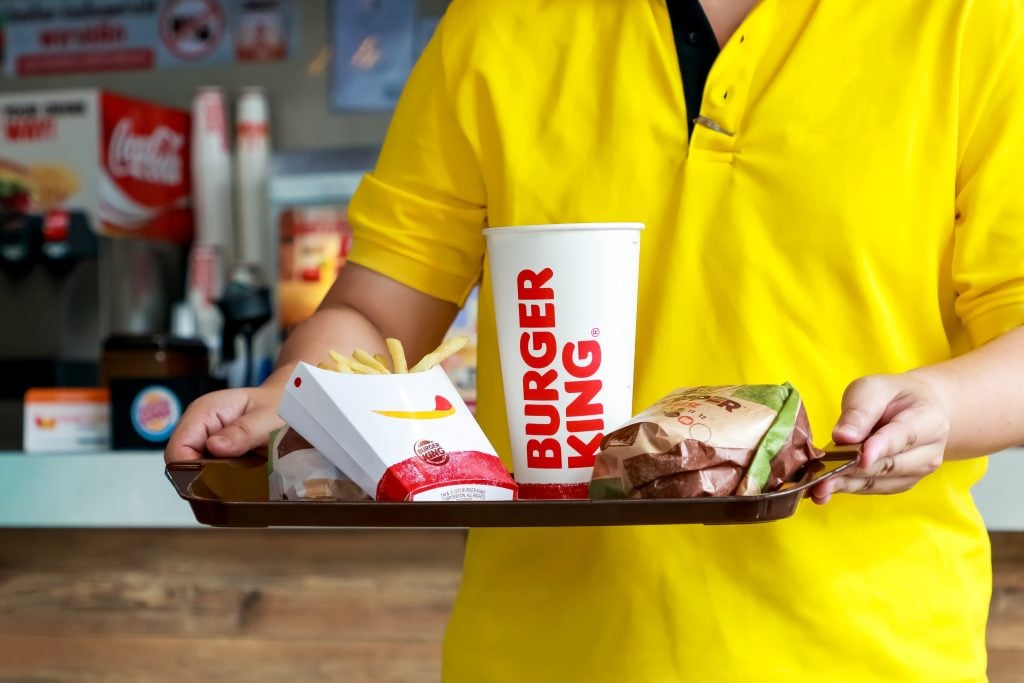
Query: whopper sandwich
{"points": [[707, 441]]}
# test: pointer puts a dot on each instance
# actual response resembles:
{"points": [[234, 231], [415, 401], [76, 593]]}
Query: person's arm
{"points": [[360, 311], [417, 252], [909, 423]]}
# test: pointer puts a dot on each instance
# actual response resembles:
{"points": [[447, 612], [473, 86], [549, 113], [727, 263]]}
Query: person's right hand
{"points": [[225, 424]]}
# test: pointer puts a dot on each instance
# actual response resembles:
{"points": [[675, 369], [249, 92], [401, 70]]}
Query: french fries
{"points": [[369, 361], [397, 356], [447, 348], [364, 363]]}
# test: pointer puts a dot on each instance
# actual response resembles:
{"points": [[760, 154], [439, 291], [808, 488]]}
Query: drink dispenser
{"points": [[95, 220]]}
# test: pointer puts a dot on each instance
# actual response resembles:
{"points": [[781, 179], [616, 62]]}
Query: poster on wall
{"points": [[375, 44], [47, 37]]}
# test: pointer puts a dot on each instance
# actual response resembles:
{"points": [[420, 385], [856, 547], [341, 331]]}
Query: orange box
{"points": [[66, 420]]}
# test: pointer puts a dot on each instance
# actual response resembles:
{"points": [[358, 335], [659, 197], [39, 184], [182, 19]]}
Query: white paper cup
{"points": [[565, 302]]}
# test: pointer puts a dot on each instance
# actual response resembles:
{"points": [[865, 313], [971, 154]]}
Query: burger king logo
{"points": [[155, 413], [431, 452], [442, 408]]}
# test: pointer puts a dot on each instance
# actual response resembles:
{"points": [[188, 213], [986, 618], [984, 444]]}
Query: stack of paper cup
{"points": [[211, 193], [565, 301], [252, 162], [211, 171]]}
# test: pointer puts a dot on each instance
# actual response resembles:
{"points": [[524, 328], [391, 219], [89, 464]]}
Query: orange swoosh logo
{"points": [[442, 408]]}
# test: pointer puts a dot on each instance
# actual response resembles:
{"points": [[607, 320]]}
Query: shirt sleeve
{"points": [[418, 217], [988, 248]]}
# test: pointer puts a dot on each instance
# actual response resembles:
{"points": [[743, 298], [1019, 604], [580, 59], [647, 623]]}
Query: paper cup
{"points": [[399, 437], [565, 301]]}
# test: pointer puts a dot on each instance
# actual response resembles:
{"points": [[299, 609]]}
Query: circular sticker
{"points": [[155, 413], [192, 29], [700, 432], [431, 452]]}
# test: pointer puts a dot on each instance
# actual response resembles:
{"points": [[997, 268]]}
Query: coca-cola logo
{"points": [[153, 158], [557, 372], [431, 452]]}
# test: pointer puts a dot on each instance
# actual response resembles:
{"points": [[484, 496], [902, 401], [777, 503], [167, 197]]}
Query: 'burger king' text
{"points": [[552, 371]]}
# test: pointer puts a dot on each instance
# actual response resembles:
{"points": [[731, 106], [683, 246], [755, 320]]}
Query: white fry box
{"points": [[399, 437], [66, 420]]}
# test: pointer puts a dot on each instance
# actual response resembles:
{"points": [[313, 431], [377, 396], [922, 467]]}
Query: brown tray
{"points": [[233, 493]]}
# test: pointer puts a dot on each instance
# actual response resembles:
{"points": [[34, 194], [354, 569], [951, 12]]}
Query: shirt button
{"points": [[692, 38]]}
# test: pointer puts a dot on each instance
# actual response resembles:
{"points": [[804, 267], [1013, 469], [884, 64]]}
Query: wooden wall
{"points": [[1006, 617], [260, 606]]}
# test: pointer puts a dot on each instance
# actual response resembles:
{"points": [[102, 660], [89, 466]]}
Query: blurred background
{"points": [[174, 176]]}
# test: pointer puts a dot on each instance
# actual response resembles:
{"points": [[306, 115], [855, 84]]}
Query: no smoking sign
{"points": [[192, 29]]}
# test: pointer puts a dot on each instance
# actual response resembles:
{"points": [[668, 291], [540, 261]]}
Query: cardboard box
{"points": [[66, 420], [399, 437]]}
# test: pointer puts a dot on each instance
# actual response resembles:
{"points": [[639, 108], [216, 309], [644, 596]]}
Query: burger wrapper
{"points": [[707, 441], [300, 472], [398, 437]]}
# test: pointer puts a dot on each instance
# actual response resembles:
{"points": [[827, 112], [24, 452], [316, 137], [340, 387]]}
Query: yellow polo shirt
{"points": [[862, 213]]}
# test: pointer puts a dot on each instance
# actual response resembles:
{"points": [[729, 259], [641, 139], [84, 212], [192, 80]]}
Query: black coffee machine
{"points": [[63, 290]]}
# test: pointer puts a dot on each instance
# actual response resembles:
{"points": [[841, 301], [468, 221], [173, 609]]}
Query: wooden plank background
{"points": [[162, 606]]}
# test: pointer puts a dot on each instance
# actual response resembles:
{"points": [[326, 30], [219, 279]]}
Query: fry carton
{"points": [[400, 437]]}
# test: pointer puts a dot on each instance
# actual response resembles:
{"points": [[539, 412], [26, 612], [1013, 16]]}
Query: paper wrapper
{"points": [[398, 437], [300, 472], [707, 441]]}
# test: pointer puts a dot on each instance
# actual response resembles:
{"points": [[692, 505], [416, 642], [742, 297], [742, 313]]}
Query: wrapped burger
{"points": [[298, 471], [707, 441], [399, 433]]}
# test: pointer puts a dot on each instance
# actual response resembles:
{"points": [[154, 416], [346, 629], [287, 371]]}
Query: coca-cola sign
{"points": [[152, 158], [145, 158]]}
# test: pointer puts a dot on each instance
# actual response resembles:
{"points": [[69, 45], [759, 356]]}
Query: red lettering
{"points": [[591, 425], [589, 352], [531, 284], [586, 391], [536, 386], [545, 454], [530, 315], [586, 450], [31, 129], [159, 410], [544, 342], [87, 35], [545, 410]]}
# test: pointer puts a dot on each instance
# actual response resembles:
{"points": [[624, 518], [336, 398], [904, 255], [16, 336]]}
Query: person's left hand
{"points": [[903, 421]]}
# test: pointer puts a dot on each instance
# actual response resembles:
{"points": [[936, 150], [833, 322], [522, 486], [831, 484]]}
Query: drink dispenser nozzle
{"points": [[246, 308]]}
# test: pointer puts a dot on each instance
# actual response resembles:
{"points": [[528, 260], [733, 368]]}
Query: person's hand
{"points": [[903, 421], [225, 424]]}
